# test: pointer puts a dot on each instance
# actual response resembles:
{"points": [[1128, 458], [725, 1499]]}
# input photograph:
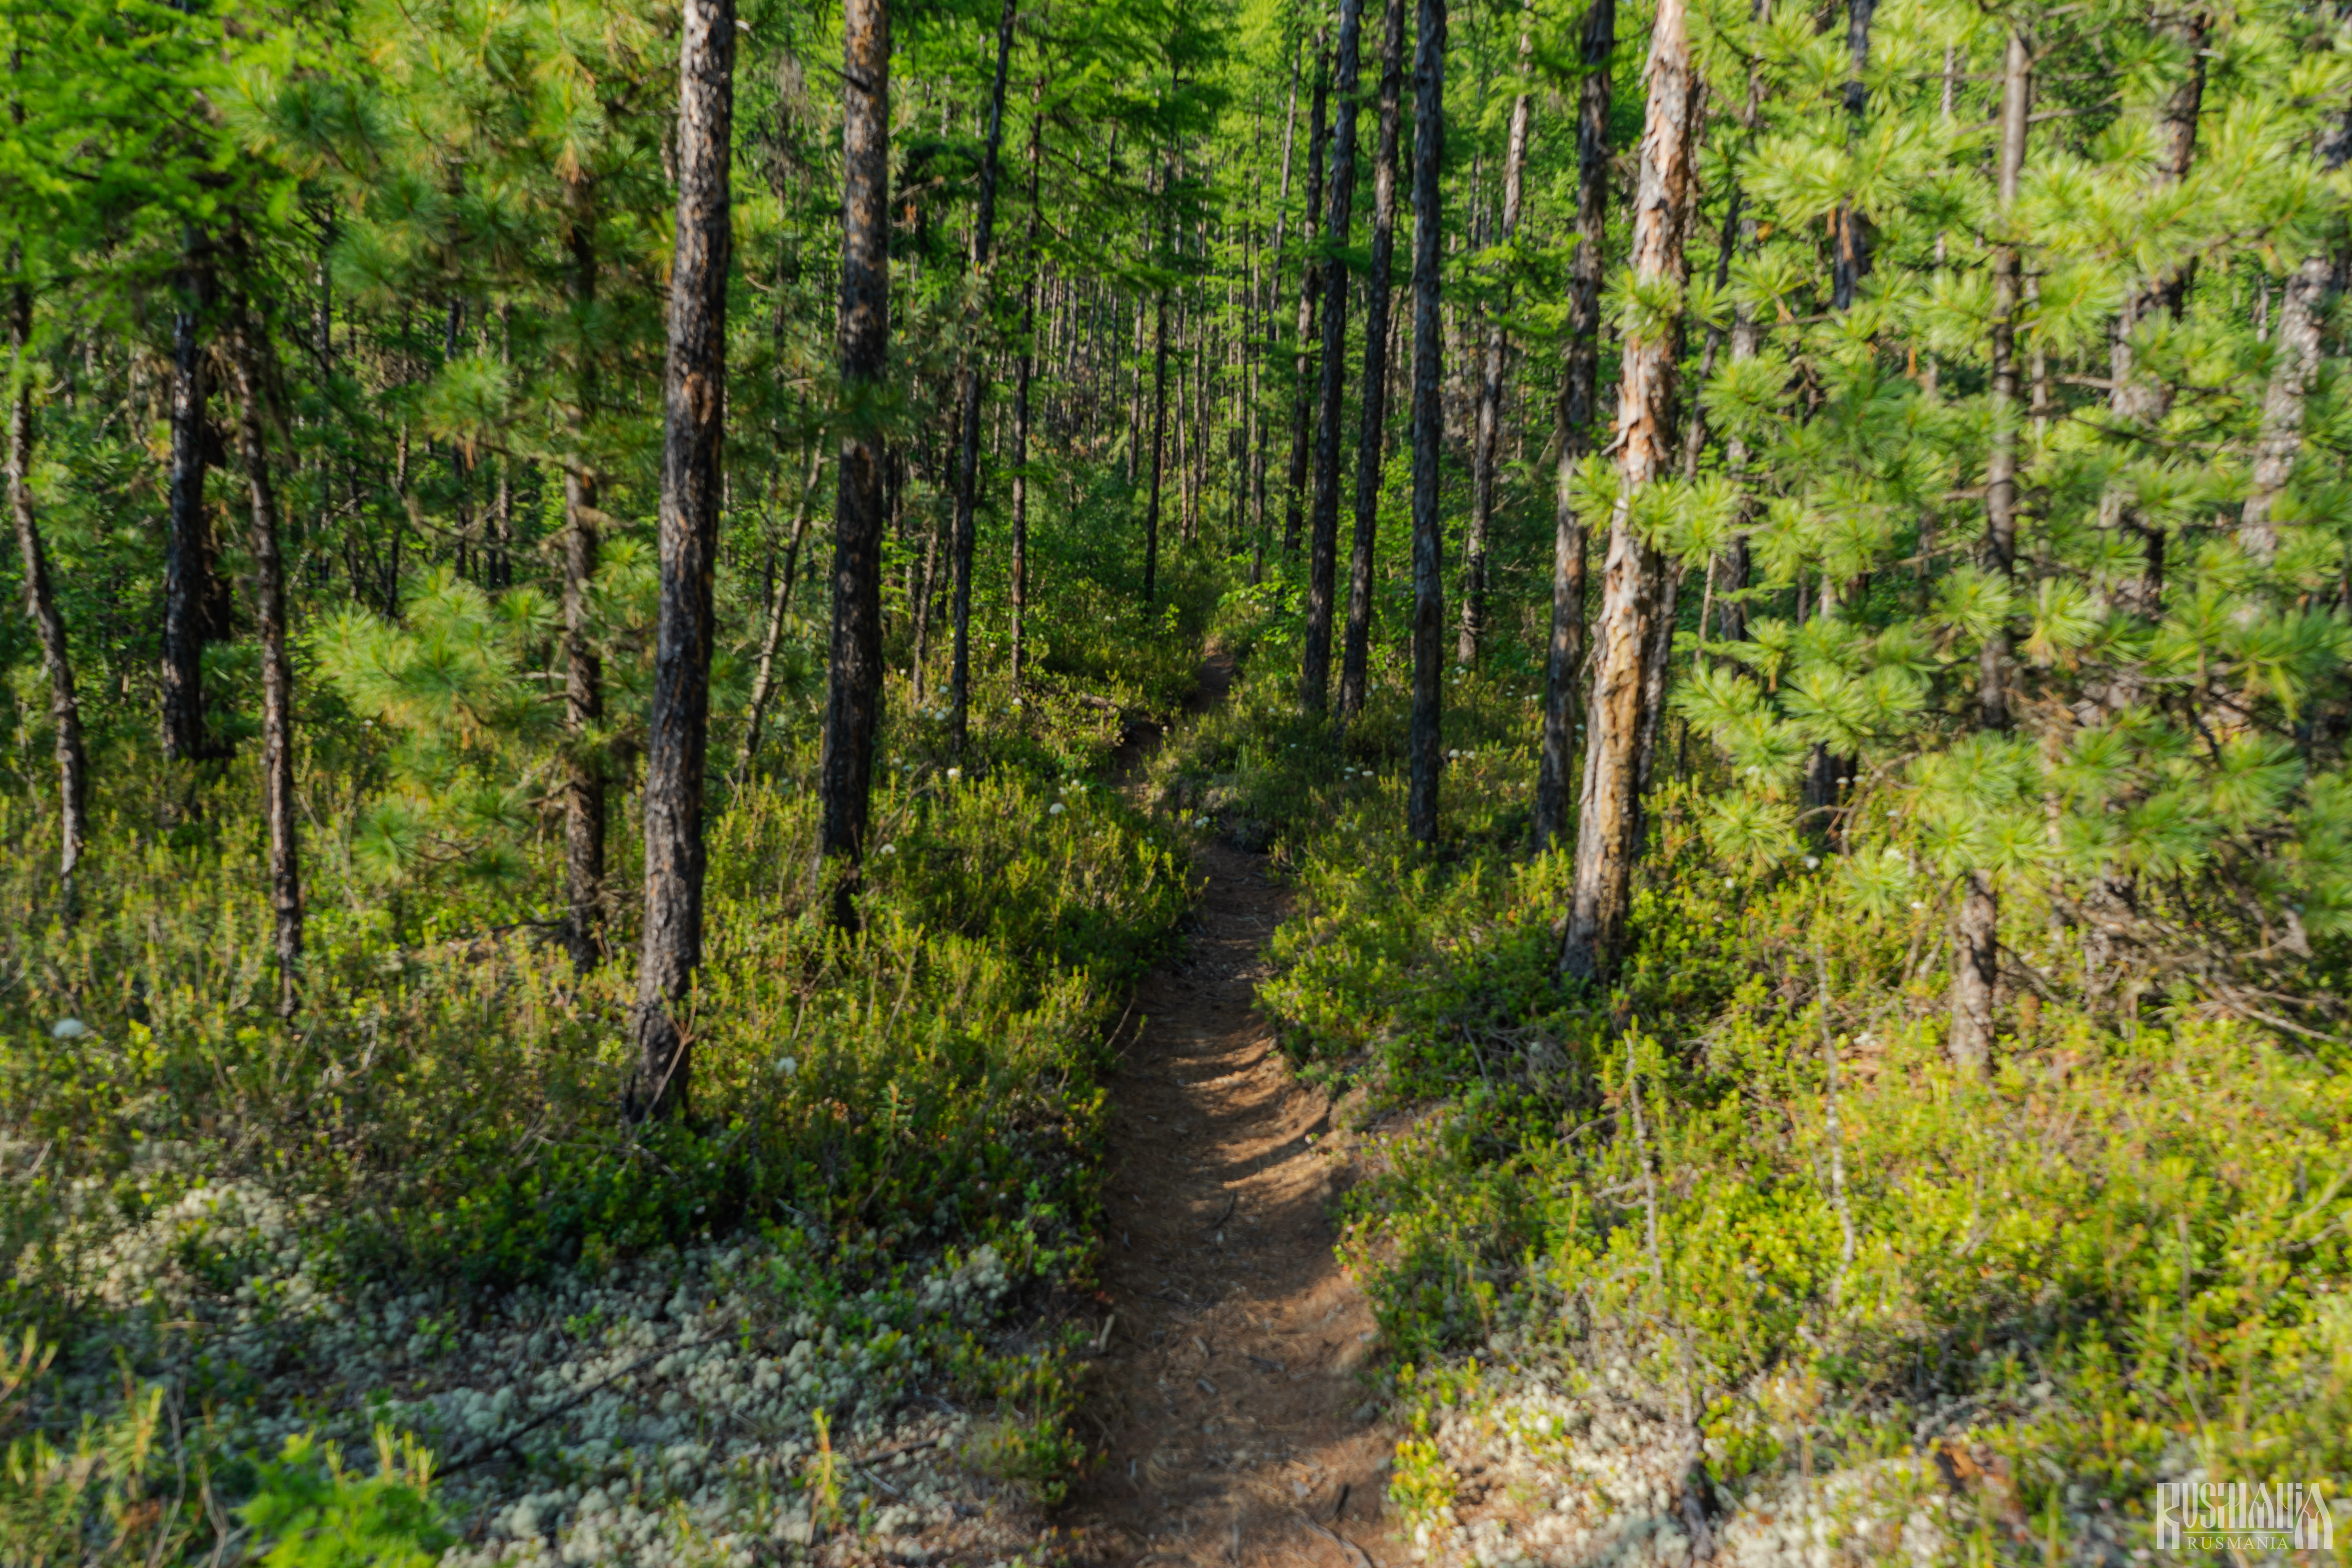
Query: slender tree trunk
{"points": [[1355, 652], [1323, 542], [1310, 287], [1850, 261], [1486, 428], [974, 384], [2136, 401], [1425, 735], [1265, 320], [1975, 968], [1633, 578], [694, 419], [853, 700], [1975, 951], [277, 670], [1158, 437], [40, 598], [2008, 292], [584, 674], [763, 684], [1025, 367], [2294, 365], [1578, 408], [188, 560]]}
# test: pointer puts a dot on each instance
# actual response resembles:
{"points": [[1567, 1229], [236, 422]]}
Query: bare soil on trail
{"points": [[1229, 1391]]}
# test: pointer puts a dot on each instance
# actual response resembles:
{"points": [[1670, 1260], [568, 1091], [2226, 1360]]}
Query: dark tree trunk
{"points": [[40, 599], [1310, 295], [584, 674], [1024, 369], [1323, 537], [763, 684], [1355, 652], [1578, 408], [1426, 732], [694, 418], [189, 611], [1850, 262], [277, 668], [975, 383], [1634, 580], [854, 694], [1486, 429], [1158, 439]]}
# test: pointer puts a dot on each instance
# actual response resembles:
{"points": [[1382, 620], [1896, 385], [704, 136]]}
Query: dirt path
{"points": [[1238, 1426]]}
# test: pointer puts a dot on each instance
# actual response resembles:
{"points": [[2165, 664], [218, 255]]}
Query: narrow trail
{"points": [[1229, 1393]]}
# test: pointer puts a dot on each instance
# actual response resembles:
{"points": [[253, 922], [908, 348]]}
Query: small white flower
{"points": [[1812, 862], [1056, 809], [1917, 905], [787, 1065], [889, 849], [1016, 705], [954, 774], [69, 1029]]}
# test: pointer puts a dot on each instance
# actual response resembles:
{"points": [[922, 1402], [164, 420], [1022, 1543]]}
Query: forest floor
{"points": [[1229, 1393]]}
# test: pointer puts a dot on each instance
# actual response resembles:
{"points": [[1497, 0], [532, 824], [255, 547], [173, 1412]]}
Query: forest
{"points": [[1067, 782]]}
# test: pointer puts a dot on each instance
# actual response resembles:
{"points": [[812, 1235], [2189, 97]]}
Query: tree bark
{"points": [[1310, 293], [1976, 954], [1487, 427], [1849, 263], [854, 692], [188, 613], [694, 419], [1265, 317], [40, 598], [277, 669], [1633, 578], [2294, 367], [763, 684], [1356, 650], [2139, 402], [974, 384], [1976, 967], [1159, 435], [1323, 542], [1425, 734], [2008, 291], [584, 674], [1578, 409], [1025, 367]]}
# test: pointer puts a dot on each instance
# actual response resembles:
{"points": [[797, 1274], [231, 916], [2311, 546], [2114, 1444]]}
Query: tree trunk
{"points": [[1850, 261], [694, 420], [2294, 367], [1266, 318], [1975, 968], [187, 562], [2008, 290], [2138, 402], [1158, 437], [763, 684], [1425, 734], [1578, 410], [1975, 950], [1310, 286], [1025, 368], [1486, 426], [40, 599], [584, 674], [1323, 540], [1355, 652], [975, 383], [853, 700], [1633, 577], [277, 669]]}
